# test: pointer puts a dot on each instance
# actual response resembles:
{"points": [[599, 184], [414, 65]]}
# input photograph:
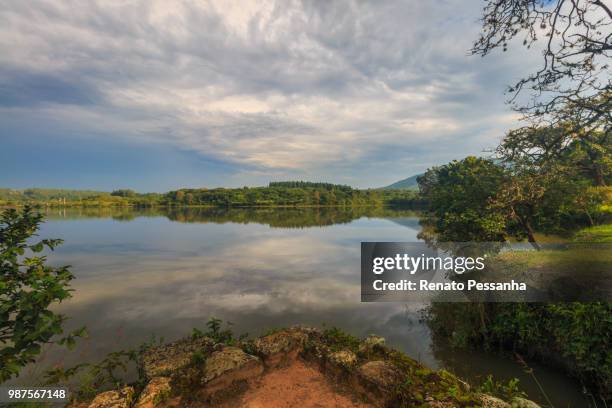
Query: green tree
{"points": [[518, 200], [588, 152], [476, 199], [124, 193], [458, 195], [27, 290]]}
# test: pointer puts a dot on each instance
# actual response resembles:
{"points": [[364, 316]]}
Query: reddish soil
{"points": [[297, 385]]}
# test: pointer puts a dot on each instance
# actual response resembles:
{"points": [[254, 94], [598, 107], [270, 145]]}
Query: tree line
{"points": [[291, 193], [287, 193]]}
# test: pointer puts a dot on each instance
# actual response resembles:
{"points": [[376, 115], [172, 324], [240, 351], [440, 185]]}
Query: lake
{"points": [[163, 272]]}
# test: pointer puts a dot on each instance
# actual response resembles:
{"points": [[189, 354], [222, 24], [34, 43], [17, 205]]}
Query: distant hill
{"points": [[409, 183]]}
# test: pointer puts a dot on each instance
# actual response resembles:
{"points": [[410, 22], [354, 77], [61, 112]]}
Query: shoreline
{"points": [[214, 369]]}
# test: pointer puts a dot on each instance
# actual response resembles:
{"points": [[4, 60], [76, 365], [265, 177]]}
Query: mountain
{"points": [[409, 183]]}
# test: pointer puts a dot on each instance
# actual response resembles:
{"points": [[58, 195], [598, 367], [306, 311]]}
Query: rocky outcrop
{"points": [[199, 370], [157, 391], [518, 402], [114, 399], [378, 381], [281, 347], [344, 358], [489, 401], [371, 343], [228, 367], [165, 359]]}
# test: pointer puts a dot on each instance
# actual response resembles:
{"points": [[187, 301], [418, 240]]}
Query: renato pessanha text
{"points": [[425, 285]]}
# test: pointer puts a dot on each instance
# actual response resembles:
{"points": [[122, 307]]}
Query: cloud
{"points": [[357, 92]]}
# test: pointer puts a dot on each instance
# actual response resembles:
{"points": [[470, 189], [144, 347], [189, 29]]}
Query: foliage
{"points": [[47, 194], [588, 153], [598, 234], [543, 180], [110, 372], [338, 339], [458, 195], [308, 184], [124, 193], [574, 335], [286, 194], [551, 177], [215, 331], [573, 82], [542, 198], [290, 194], [28, 288], [419, 382], [506, 391], [80, 198]]}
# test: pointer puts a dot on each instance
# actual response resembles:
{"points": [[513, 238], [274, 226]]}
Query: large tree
{"points": [[587, 152], [476, 199], [574, 81], [543, 198], [458, 196]]}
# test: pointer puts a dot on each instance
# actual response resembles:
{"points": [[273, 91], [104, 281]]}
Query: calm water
{"points": [[162, 273]]}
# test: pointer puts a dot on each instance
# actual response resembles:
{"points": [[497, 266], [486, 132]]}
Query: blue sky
{"points": [[157, 95]]}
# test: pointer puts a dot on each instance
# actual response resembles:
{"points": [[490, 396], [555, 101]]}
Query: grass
{"points": [[586, 268], [598, 234], [579, 258], [568, 260]]}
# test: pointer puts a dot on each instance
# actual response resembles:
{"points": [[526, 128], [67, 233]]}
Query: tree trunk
{"points": [[599, 178], [589, 217], [530, 233], [531, 236]]}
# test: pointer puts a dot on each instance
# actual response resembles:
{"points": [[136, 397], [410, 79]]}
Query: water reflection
{"points": [[279, 217], [165, 272]]}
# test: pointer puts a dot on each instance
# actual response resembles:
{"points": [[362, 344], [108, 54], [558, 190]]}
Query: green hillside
{"points": [[409, 183]]}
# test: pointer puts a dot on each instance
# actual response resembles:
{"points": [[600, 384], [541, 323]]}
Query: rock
{"points": [[378, 380], [374, 340], [371, 343], [518, 402], [343, 358], [156, 391], [489, 401], [441, 404], [381, 373], [164, 360], [78, 404], [281, 347], [228, 366], [114, 399]]}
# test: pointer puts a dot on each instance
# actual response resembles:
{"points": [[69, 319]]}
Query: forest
{"points": [[280, 194]]}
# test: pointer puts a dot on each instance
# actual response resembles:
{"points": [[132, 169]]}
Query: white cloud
{"points": [[281, 88]]}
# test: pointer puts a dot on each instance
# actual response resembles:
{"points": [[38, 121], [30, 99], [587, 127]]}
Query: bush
{"points": [[28, 287], [574, 335]]}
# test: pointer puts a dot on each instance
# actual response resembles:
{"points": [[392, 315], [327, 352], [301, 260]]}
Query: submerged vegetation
{"points": [[572, 336], [506, 391]]}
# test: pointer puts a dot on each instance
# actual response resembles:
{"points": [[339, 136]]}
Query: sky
{"points": [[158, 95]]}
